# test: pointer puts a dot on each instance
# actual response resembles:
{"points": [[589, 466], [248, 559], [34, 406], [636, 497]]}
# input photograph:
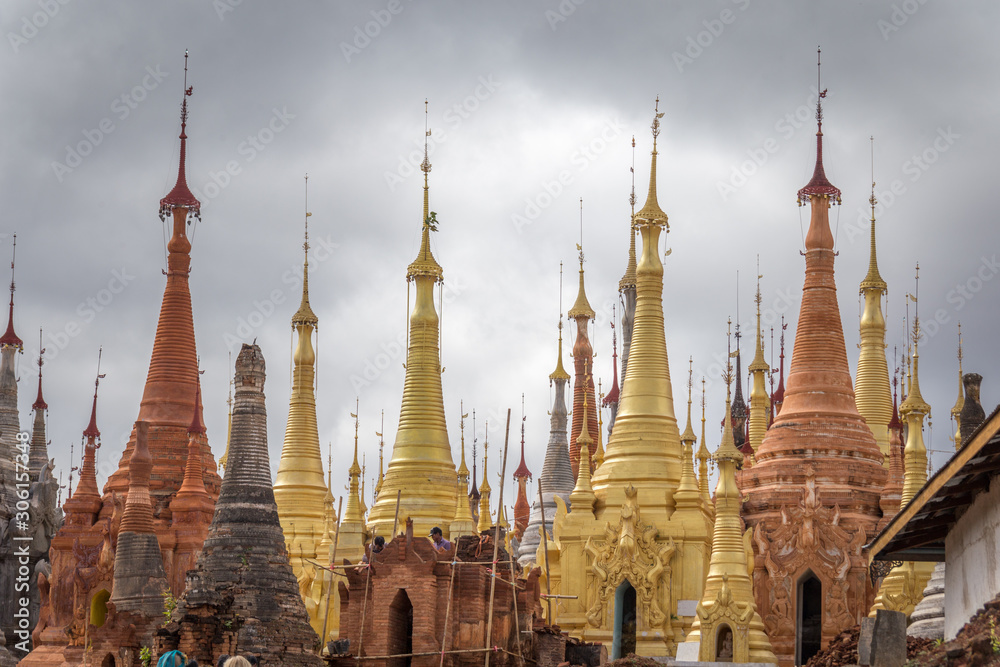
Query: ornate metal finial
{"points": [[727, 375], [181, 196], [305, 315], [579, 246], [690, 379], [92, 431], [959, 350], [486, 445], [355, 469], [475, 441], [819, 185], [872, 199], [356, 421], [13, 254], [916, 309], [305, 245], [655, 127], [40, 403], [425, 166], [41, 350], [9, 338], [560, 303], [819, 89], [631, 197]]}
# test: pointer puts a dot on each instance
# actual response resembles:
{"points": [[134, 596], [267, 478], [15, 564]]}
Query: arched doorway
{"points": [[99, 608], [400, 629], [809, 625], [109, 660], [623, 641]]}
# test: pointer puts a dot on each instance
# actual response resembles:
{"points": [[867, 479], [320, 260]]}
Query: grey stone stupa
{"points": [[242, 597]]}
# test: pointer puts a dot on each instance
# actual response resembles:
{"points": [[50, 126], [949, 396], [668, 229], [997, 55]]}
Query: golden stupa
{"points": [[871, 387], [421, 466], [300, 492], [630, 558], [903, 587], [728, 627], [760, 400]]}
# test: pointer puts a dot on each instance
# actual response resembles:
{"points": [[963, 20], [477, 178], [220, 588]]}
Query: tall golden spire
{"points": [[914, 451], [381, 447], [626, 292], [703, 454], [644, 448], [582, 498], [485, 516], [956, 411], [583, 361], [629, 279], [299, 488], [903, 587], [687, 494], [760, 402], [599, 448], [871, 389], [560, 373], [421, 468], [728, 586], [463, 524], [353, 513]]}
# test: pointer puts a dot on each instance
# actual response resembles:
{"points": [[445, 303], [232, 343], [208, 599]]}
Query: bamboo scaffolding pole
{"points": [[395, 519], [447, 611], [496, 539], [517, 621], [329, 591], [492, 649], [545, 548], [364, 604]]}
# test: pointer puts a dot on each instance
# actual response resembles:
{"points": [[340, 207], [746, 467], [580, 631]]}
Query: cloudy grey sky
{"points": [[522, 96]]}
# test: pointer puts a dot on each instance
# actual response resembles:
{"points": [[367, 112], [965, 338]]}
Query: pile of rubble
{"points": [[843, 650], [633, 660], [978, 643]]}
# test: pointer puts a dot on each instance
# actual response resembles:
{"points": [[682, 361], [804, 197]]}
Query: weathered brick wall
{"points": [[410, 567]]}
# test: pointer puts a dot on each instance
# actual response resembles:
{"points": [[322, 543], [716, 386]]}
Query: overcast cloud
{"points": [[532, 106]]}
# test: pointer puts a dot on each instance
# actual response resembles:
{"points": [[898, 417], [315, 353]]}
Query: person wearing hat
{"points": [[437, 537]]}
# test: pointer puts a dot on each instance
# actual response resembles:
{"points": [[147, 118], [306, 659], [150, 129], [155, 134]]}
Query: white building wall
{"points": [[972, 549]]}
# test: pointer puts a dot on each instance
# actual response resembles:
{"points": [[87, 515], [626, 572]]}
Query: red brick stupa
{"points": [[83, 552], [812, 499]]}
